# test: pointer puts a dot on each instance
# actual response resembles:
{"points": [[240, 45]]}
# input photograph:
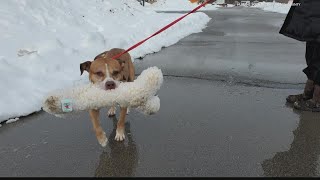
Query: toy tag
{"points": [[66, 105]]}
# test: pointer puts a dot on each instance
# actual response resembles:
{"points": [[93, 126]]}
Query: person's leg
{"points": [[313, 72], [309, 86], [313, 61]]}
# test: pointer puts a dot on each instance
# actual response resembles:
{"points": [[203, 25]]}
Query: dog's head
{"points": [[106, 73]]}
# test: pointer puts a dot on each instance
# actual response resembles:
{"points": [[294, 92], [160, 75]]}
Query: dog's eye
{"points": [[115, 73], [99, 73]]}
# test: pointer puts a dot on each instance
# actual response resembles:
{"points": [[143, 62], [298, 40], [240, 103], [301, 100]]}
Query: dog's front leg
{"points": [[112, 111], [120, 125], [101, 135]]}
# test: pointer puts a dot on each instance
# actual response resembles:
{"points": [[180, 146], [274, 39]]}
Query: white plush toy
{"points": [[139, 94]]}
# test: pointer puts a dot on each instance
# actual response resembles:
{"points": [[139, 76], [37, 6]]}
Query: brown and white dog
{"points": [[107, 73]]}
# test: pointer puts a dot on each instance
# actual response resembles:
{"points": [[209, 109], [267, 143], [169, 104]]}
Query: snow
{"points": [[274, 7], [178, 5], [12, 120], [43, 42]]}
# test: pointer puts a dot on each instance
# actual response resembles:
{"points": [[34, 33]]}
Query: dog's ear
{"points": [[85, 67]]}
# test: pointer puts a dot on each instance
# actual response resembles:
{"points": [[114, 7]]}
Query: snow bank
{"points": [[274, 7], [178, 5], [43, 42], [12, 120]]}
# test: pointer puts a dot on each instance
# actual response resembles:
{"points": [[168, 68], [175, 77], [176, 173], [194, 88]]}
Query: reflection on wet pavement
{"points": [[302, 157], [120, 159]]}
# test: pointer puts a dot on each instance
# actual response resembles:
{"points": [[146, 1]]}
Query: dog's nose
{"points": [[110, 85]]}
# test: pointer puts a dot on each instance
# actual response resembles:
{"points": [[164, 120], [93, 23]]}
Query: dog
{"points": [[108, 73]]}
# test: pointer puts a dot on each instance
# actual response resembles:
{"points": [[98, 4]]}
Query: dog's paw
{"points": [[120, 134], [128, 111], [102, 139], [112, 112]]}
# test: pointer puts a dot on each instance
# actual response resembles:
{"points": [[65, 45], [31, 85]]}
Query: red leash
{"points": [[161, 30]]}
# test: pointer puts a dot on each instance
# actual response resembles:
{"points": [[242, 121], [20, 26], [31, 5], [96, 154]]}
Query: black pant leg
{"points": [[313, 61]]}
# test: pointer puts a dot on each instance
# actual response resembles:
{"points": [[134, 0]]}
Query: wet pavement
{"points": [[239, 44], [205, 127]]}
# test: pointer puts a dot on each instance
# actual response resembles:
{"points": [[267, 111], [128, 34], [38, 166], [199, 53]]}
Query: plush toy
{"points": [[140, 94]]}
